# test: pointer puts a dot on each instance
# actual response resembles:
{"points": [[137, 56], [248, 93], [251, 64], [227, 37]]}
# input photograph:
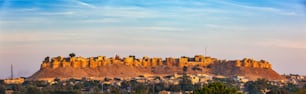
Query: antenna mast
{"points": [[12, 73]]}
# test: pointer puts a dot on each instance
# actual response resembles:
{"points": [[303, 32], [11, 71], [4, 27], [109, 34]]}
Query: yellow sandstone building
{"points": [[100, 61]]}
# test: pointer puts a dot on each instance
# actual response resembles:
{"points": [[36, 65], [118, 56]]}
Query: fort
{"points": [[197, 60], [131, 66]]}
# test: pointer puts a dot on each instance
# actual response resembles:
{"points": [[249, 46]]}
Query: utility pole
{"points": [[12, 73]]}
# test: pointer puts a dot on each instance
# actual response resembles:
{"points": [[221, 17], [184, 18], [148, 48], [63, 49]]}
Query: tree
{"points": [[57, 80], [278, 91], [302, 91], [158, 87], [257, 87], [184, 83], [291, 87], [2, 89], [142, 89], [32, 90], [78, 86], [174, 88], [72, 55], [47, 59], [115, 90], [216, 88], [185, 69], [40, 83]]}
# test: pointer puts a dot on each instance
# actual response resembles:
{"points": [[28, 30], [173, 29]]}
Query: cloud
{"points": [[103, 20], [32, 9], [34, 37], [57, 13], [284, 44], [157, 28], [261, 8], [28, 21], [227, 27], [127, 12], [91, 35], [84, 4]]}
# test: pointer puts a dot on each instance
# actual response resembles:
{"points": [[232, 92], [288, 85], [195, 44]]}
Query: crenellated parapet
{"points": [[145, 61], [197, 60], [183, 61], [56, 62], [170, 61], [100, 61], [156, 61], [246, 62]]}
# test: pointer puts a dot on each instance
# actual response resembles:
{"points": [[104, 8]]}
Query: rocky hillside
{"points": [[99, 67]]}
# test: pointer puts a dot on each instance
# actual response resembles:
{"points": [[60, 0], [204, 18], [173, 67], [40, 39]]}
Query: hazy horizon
{"points": [[272, 30]]}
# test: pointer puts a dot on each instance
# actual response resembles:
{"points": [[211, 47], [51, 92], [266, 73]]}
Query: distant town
{"points": [[191, 76], [170, 84]]}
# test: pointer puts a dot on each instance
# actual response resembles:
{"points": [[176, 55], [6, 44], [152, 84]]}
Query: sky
{"points": [[273, 30]]}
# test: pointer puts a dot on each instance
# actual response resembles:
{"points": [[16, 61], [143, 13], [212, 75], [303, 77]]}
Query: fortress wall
{"points": [[182, 61], [156, 62], [170, 61], [45, 65], [137, 63], [94, 62], [128, 60], [55, 64], [65, 64], [238, 63], [252, 63], [199, 58]]}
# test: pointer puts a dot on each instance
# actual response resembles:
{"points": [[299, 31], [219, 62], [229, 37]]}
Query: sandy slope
{"points": [[120, 70]]}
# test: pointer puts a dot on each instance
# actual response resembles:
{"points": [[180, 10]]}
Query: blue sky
{"points": [[274, 30]]}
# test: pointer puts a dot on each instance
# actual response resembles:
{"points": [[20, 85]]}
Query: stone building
{"points": [[197, 60], [170, 61]]}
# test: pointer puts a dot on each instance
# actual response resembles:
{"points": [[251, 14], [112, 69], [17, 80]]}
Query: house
{"points": [[14, 81], [194, 79], [240, 79]]}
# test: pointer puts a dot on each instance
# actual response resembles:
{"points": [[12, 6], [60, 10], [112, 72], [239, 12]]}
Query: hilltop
{"points": [[101, 66]]}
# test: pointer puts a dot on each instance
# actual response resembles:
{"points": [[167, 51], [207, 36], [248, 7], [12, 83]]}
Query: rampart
{"points": [[100, 61]]}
